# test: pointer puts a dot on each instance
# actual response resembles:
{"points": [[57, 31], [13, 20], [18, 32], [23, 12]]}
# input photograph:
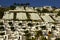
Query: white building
{"points": [[22, 19]]}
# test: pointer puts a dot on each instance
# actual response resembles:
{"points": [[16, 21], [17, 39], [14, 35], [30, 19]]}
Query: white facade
{"points": [[34, 16], [47, 18], [21, 16], [8, 16]]}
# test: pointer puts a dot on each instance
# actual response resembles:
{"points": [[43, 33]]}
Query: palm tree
{"points": [[54, 7], [38, 34], [43, 27], [38, 10], [1, 12], [27, 4], [45, 11], [27, 35], [43, 38], [57, 39], [33, 38], [12, 7], [58, 13]]}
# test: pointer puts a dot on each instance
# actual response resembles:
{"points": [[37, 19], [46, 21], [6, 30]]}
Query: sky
{"points": [[35, 3]]}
